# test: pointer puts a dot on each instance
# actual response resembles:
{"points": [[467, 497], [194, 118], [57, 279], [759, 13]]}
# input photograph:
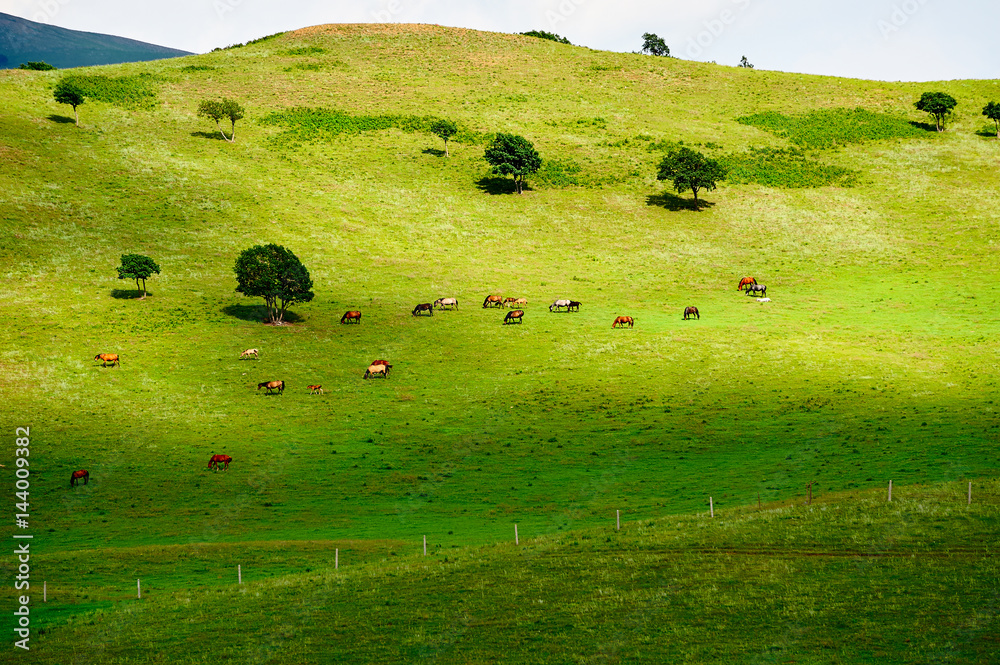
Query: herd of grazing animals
{"points": [[381, 368]]}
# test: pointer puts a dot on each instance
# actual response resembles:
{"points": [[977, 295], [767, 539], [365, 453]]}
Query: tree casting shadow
{"points": [[61, 119], [129, 294], [208, 135], [496, 186], [674, 203], [256, 313], [433, 151]]}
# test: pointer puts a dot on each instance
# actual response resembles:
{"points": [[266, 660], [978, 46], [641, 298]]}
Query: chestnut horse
{"points": [[516, 314], [377, 370], [216, 460], [493, 301], [353, 315], [423, 307], [746, 281], [77, 475], [106, 358], [622, 320], [314, 390], [691, 311], [272, 385], [382, 362]]}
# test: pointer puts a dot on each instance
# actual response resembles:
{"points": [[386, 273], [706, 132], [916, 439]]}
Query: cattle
{"points": [[106, 358]]}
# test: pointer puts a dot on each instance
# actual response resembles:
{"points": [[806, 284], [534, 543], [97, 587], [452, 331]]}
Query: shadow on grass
{"points": [[497, 186], [926, 126], [129, 294], [673, 202], [208, 135], [987, 133], [256, 313], [433, 151], [61, 119]]}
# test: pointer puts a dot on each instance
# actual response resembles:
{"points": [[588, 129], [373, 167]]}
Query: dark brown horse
{"points": [[272, 385], [622, 320], [493, 301], [82, 474], [745, 281], [382, 362], [216, 460], [353, 315], [691, 311], [516, 314], [423, 307], [573, 306], [106, 358]]}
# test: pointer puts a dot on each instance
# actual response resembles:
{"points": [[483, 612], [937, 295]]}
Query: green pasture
{"points": [[874, 360]]}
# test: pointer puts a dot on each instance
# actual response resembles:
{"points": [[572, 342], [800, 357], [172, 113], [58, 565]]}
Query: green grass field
{"points": [[873, 361]]}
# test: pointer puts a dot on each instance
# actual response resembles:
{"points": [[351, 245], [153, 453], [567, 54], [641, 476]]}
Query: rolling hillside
{"points": [[872, 362]]}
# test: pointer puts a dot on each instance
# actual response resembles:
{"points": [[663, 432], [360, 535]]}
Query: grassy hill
{"points": [[23, 41], [873, 361]]}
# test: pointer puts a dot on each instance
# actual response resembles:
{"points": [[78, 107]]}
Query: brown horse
{"points": [[691, 311], [423, 307], [106, 358], [622, 320], [216, 460], [272, 385], [353, 315], [78, 475], [573, 306], [746, 281], [493, 301], [377, 370], [381, 362], [315, 390], [516, 314]]}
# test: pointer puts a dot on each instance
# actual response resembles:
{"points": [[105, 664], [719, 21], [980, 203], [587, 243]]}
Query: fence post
{"points": [[425, 545], [516, 542], [711, 507], [618, 520], [890, 491], [810, 493], [45, 592], [970, 493], [758, 500], [239, 573], [138, 589], [336, 559]]}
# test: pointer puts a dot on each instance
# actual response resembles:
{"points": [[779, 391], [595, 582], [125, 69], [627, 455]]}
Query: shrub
{"points": [[789, 168], [827, 128], [137, 91]]}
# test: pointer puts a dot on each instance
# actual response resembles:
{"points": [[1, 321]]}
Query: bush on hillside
{"points": [[136, 91], [68, 92], [789, 168], [828, 128], [36, 66], [542, 34]]}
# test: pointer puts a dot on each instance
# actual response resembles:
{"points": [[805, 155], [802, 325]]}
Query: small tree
{"points": [[68, 92], [137, 266], [445, 129], [745, 63], [514, 155], [689, 169], [992, 111], [275, 274], [654, 45], [222, 109], [938, 104]]}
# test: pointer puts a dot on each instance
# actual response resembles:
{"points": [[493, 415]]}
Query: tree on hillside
{"points": [[689, 169], [444, 129], [275, 274], [543, 34], [222, 109], [36, 66], [654, 45], [514, 155], [68, 92], [938, 104], [137, 266], [992, 111], [745, 63]]}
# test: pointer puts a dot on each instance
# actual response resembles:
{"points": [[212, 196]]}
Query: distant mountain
{"points": [[22, 40]]}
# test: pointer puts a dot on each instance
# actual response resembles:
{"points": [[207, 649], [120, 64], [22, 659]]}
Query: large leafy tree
{"points": [[513, 155], [992, 111], [938, 104], [654, 45], [223, 109], [689, 169], [68, 92], [137, 267], [444, 129], [275, 274]]}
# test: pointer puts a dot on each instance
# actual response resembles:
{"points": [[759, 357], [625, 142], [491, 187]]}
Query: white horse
{"points": [[450, 303], [559, 303]]}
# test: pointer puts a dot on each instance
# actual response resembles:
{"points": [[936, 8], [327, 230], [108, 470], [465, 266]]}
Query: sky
{"points": [[892, 40]]}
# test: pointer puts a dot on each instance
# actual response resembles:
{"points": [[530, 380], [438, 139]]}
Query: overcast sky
{"points": [[910, 40]]}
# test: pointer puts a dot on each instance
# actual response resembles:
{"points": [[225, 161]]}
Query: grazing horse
{"points": [[755, 289], [573, 306], [381, 362], [353, 315], [559, 303], [450, 303], [250, 352], [622, 320], [272, 385], [216, 460], [746, 281], [377, 370], [516, 314], [691, 311], [314, 390], [77, 475], [106, 358], [423, 307], [520, 301], [493, 301]]}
